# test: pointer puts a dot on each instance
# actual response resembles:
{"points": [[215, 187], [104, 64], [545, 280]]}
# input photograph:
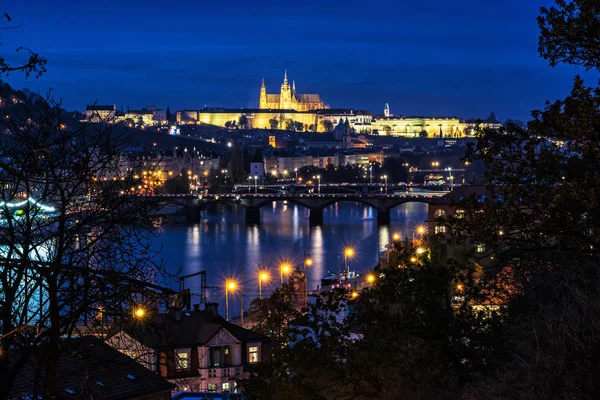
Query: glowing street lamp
{"points": [[229, 286], [139, 312], [420, 250], [263, 276], [255, 184], [307, 263], [348, 252], [396, 237], [370, 278], [283, 269], [421, 230], [386, 183]]}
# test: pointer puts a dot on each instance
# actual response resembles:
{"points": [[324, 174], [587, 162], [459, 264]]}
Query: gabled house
{"points": [[196, 350], [88, 368]]}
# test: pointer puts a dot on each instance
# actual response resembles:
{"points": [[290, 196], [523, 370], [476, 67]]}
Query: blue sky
{"points": [[437, 57]]}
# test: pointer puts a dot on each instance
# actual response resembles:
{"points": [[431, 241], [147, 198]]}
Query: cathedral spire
{"points": [[263, 84], [293, 86], [285, 81]]}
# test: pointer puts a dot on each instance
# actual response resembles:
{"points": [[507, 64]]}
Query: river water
{"points": [[224, 246]]}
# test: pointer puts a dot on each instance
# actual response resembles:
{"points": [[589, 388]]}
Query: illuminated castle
{"points": [[288, 99]]}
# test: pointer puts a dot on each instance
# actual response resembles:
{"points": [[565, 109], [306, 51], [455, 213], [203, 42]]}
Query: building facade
{"points": [[199, 351], [288, 99]]}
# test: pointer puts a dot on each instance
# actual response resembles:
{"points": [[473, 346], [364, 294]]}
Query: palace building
{"points": [[288, 99]]}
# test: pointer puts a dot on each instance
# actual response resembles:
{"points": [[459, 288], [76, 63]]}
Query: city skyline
{"points": [[463, 59]]}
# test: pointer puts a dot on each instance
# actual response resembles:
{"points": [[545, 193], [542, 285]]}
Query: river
{"points": [[224, 246]]}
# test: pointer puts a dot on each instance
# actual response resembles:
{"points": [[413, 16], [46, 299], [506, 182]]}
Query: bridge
{"points": [[315, 203], [323, 188]]}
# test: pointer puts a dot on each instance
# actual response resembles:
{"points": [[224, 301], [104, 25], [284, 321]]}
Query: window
{"points": [[252, 354], [459, 214], [212, 387], [480, 248], [183, 360], [439, 213], [440, 229], [225, 386]]}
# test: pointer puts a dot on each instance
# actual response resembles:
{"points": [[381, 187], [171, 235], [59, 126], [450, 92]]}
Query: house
{"points": [[88, 368], [197, 350]]}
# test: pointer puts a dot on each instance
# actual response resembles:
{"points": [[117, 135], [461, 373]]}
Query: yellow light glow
{"points": [[420, 250], [349, 252], [370, 278], [264, 276], [140, 312], [285, 268], [231, 285], [396, 236], [421, 230], [354, 295], [308, 262], [413, 259], [459, 287]]}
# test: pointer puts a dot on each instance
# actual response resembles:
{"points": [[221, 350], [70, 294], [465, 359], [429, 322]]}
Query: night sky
{"points": [[435, 57]]}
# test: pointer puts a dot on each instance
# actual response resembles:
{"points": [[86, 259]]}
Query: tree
{"points": [[327, 125], [34, 64], [237, 173], [168, 115], [540, 218], [243, 122], [274, 123], [569, 33], [387, 129], [76, 247]]}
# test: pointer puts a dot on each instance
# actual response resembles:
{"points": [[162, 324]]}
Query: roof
{"points": [[308, 98], [94, 107], [89, 368], [193, 328]]}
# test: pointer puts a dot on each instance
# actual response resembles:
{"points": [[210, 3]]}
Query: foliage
{"points": [[67, 267], [34, 64], [274, 123], [327, 125], [570, 33], [236, 171]]}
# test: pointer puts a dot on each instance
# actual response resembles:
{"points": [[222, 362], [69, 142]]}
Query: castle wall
{"points": [[412, 127]]}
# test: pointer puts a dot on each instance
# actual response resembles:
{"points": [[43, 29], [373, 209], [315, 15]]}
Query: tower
{"points": [[285, 98], [386, 110], [263, 96]]}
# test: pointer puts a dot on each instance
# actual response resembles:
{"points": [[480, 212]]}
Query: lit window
{"points": [[225, 386], [459, 214], [439, 213], [440, 229], [480, 248], [212, 387], [182, 363], [252, 354]]}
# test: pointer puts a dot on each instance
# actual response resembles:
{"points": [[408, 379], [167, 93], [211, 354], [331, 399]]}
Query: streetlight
{"points": [[370, 278], [420, 250], [421, 230], [139, 312], [296, 171], [262, 276], [307, 263], [229, 285], [348, 252], [386, 186], [396, 237], [283, 269], [255, 184], [319, 183]]}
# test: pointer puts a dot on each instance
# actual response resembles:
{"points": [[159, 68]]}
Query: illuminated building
{"points": [[288, 99]]}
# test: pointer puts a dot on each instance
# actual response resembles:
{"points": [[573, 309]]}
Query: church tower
{"points": [[262, 104], [386, 110], [285, 99]]}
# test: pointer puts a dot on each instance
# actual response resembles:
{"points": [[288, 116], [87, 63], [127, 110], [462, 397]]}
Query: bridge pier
{"points": [[315, 217], [192, 214], [252, 215], [383, 217]]}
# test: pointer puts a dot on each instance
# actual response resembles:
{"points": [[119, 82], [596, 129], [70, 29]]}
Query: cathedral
{"points": [[288, 99]]}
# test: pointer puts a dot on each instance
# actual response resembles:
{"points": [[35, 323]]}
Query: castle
{"points": [[288, 99]]}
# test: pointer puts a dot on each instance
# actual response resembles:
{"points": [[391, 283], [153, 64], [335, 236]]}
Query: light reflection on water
{"points": [[223, 245]]}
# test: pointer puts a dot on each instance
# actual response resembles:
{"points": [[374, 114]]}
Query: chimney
{"points": [[212, 309]]}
